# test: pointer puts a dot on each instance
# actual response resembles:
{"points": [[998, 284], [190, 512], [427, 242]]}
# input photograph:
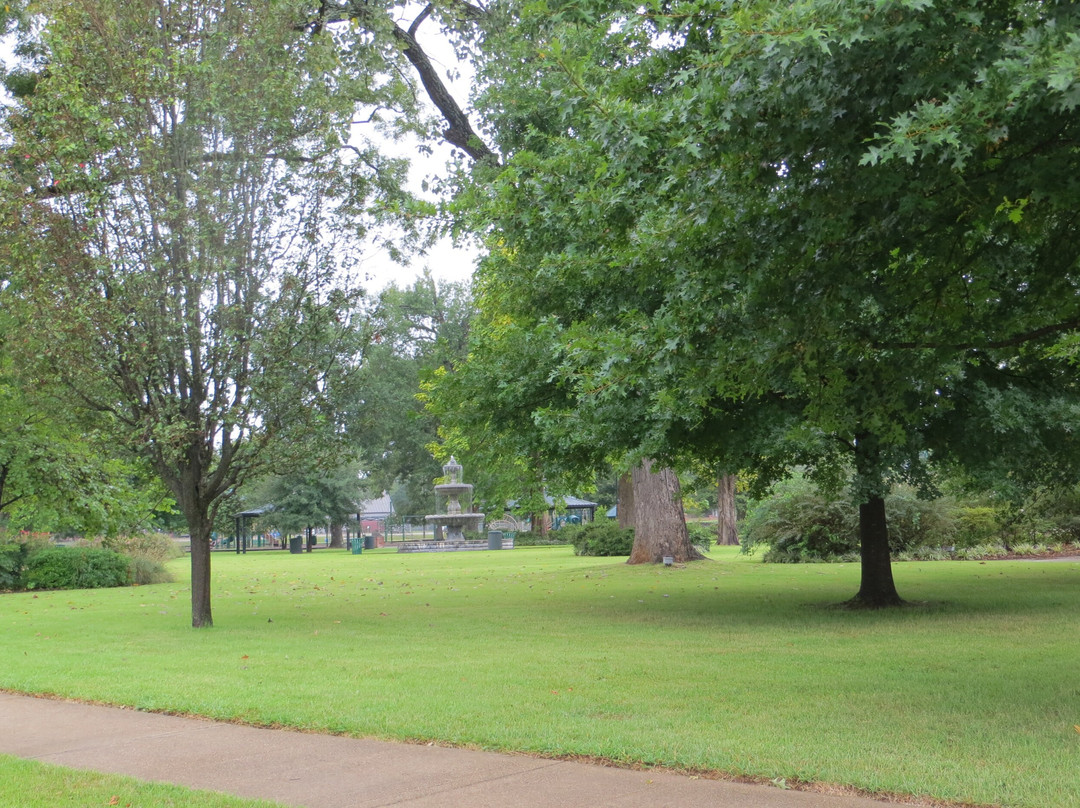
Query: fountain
{"points": [[453, 500], [455, 516]]}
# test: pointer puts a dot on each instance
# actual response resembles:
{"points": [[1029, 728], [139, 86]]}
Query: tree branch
{"points": [[1009, 342]]}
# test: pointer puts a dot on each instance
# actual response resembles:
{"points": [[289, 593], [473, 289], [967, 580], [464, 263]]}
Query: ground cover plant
{"points": [[30, 784], [970, 694]]}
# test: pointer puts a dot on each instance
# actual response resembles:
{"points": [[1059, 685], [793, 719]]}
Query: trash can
{"points": [[369, 542], [356, 545], [495, 538], [296, 544]]}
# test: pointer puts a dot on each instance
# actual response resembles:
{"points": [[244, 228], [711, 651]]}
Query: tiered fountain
{"points": [[453, 499]]}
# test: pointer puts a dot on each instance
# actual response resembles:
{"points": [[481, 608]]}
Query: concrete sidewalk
{"points": [[322, 771]]}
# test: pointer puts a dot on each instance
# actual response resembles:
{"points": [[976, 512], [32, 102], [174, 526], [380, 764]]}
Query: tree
{"points": [[415, 330], [180, 171], [726, 514], [659, 522], [748, 267], [304, 498]]}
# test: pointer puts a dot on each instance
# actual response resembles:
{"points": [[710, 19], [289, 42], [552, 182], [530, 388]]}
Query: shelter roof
{"points": [[378, 508]]}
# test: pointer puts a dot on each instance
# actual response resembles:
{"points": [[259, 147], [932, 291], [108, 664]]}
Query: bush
{"points": [[156, 547], [12, 560], [144, 571], [76, 568], [599, 539], [526, 538], [701, 535], [799, 523], [977, 525]]}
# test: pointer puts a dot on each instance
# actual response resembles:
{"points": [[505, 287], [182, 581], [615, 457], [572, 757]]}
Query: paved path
{"points": [[322, 771]]}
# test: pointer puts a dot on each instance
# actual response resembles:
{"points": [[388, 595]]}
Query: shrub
{"points": [[701, 535], [76, 568], [145, 571], [799, 523], [527, 538], [12, 560], [600, 539], [155, 547]]}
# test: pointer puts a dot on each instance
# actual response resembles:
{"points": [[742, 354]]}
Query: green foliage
{"points": [[604, 538], [157, 547], [147, 571], [800, 522], [767, 235], [976, 525], [528, 538], [418, 330], [76, 568], [12, 560], [702, 535]]}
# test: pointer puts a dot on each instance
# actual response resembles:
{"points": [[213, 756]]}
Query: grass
{"points": [[29, 784], [730, 665]]}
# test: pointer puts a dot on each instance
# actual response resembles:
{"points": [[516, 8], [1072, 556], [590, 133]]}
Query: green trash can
{"points": [[296, 544], [357, 546]]}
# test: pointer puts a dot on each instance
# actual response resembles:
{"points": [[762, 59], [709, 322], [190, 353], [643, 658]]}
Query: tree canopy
{"points": [[835, 235], [181, 197]]}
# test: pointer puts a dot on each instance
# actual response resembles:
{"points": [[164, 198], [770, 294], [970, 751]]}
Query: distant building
{"points": [[373, 514]]}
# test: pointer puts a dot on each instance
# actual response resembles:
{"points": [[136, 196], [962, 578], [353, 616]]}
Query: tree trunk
{"points": [[726, 532], [625, 505], [659, 522], [337, 536], [876, 589], [201, 616]]}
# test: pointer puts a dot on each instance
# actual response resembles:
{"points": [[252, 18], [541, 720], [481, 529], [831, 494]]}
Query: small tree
{"points": [[180, 168]]}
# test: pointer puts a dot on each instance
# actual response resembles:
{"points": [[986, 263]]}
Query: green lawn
{"points": [[728, 665], [29, 784]]}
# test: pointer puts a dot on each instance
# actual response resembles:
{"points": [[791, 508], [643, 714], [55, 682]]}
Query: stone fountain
{"points": [[453, 500], [455, 497]]}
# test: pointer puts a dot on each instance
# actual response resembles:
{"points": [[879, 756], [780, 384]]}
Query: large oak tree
{"points": [[834, 235]]}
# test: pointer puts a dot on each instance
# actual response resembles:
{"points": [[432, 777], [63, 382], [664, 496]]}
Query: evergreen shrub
{"points": [[76, 568], [527, 538], [599, 539]]}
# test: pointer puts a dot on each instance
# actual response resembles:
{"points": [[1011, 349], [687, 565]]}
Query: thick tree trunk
{"points": [[726, 531], [876, 589], [625, 511], [659, 521], [337, 536]]}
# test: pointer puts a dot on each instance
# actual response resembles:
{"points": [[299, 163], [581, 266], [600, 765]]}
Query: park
{"points": [[727, 665], [764, 382]]}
